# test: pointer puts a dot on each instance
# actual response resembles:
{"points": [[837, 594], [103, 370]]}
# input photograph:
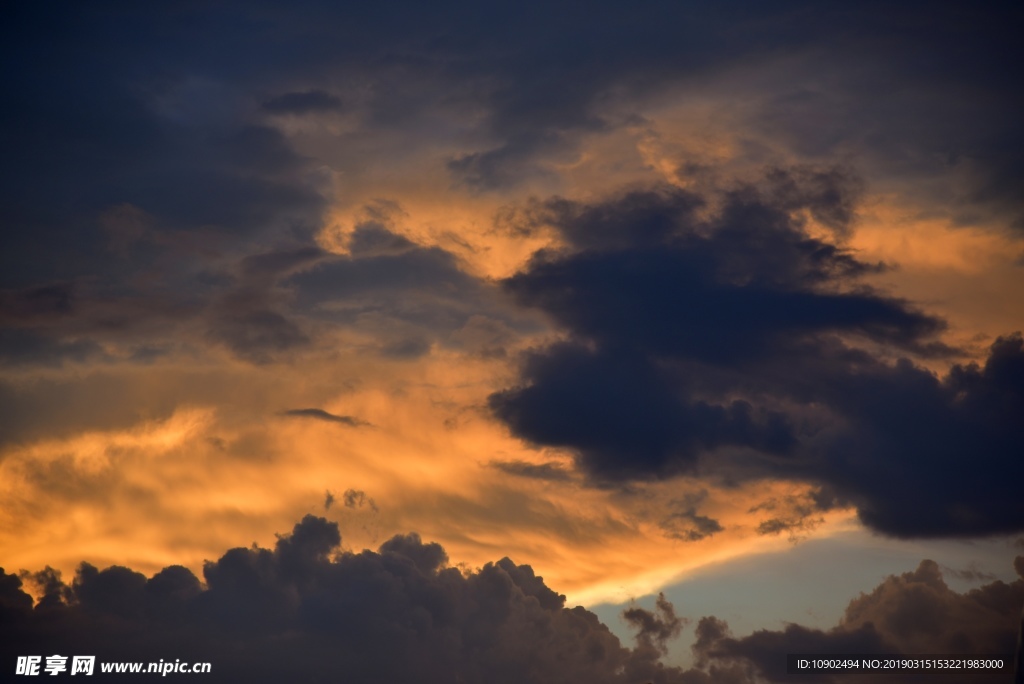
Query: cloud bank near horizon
{"points": [[307, 611]]}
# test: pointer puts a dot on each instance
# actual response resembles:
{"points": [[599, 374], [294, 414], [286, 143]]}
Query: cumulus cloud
{"points": [[304, 610], [733, 344], [307, 610], [175, 213], [915, 613]]}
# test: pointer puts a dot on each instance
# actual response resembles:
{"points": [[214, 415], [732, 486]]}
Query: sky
{"points": [[511, 341]]}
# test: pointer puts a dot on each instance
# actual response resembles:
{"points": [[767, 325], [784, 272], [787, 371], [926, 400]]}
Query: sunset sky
{"points": [[720, 300]]}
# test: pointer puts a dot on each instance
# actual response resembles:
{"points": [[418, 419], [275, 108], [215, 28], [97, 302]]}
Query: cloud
{"points": [[795, 515], [732, 344], [688, 525], [304, 609], [167, 222], [182, 134], [355, 498], [169, 164], [307, 609], [259, 335], [302, 102], [551, 472], [405, 299], [655, 629], [30, 304], [915, 613], [24, 347], [279, 262], [320, 414]]}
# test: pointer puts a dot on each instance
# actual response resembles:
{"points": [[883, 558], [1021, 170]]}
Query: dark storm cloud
{"points": [[913, 613], [304, 611], [737, 346], [133, 169], [966, 96], [625, 417], [959, 437], [825, 81], [307, 611], [139, 154], [165, 121], [320, 414], [752, 266]]}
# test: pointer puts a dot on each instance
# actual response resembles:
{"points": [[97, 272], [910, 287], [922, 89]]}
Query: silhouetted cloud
{"points": [[175, 129], [915, 613], [320, 414], [795, 515], [168, 169], [306, 611], [736, 345], [655, 629]]}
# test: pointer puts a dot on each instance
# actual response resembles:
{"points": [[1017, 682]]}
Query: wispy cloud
{"points": [[320, 414]]}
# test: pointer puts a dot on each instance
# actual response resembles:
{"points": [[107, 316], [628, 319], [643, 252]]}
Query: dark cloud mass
{"points": [[736, 345], [173, 175], [169, 100], [913, 613], [171, 159], [306, 612]]}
